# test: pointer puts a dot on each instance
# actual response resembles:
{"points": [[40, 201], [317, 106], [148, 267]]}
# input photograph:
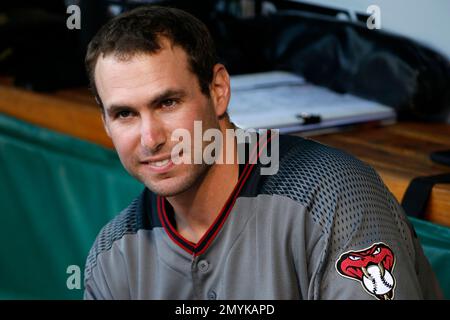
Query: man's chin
{"points": [[176, 184], [169, 188], [166, 192]]}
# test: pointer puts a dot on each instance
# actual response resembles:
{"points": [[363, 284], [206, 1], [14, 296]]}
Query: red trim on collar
{"points": [[207, 238], [166, 226]]}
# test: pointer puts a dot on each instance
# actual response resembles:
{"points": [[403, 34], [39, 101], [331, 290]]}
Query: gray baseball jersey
{"points": [[323, 227]]}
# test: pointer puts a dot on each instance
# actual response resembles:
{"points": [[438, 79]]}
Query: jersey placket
{"points": [[201, 267]]}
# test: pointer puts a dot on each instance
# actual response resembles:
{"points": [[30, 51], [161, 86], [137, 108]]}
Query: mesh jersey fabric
{"points": [[287, 237]]}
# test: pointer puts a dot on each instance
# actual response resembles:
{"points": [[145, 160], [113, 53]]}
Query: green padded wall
{"points": [[435, 241], [56, 192]]}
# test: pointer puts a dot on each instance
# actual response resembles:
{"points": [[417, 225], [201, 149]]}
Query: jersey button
{"points": [[203, 266], [212, 295]]}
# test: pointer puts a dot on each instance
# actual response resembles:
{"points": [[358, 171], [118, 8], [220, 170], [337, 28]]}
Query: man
{"points": [[322, 227]]}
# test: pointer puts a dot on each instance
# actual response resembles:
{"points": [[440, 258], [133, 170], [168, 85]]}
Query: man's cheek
{"points": [[126, 154], [123, 141]]}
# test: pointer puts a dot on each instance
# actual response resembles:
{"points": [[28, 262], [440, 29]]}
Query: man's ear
{"points": [[108, 132], [99, 102], [220, 89]]}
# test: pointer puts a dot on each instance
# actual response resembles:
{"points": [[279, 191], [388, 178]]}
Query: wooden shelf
{"points": [[399, 153], [70, 112]]}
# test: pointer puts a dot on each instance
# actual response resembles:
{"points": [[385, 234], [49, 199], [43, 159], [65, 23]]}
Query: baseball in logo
{"points": [[373, 267]]}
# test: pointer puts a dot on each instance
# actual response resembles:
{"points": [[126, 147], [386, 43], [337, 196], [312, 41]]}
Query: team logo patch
{"points": [[373, 267]]}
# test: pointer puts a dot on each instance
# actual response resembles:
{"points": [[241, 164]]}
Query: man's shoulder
{"points": [[336, 189], [301, 156], [309, 169], [129, 221]]}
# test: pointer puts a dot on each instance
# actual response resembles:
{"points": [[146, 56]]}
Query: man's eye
{"points": [[123, 114], [169, 103]]}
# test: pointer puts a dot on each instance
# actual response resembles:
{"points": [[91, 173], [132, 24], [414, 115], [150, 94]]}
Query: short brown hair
{"points": [[140, 31]]}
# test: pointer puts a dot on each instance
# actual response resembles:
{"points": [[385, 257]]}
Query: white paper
{"points": [[275, 99]]}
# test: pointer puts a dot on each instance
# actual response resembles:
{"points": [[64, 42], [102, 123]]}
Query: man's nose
{"points": [[152, 135]]}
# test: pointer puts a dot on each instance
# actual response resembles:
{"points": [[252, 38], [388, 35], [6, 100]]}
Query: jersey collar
{"points": [[247, 172]]}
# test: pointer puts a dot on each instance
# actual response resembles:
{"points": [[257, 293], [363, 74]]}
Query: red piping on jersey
{"points": [[163, 217], [160, 202], [230, 207], [171, 231]]}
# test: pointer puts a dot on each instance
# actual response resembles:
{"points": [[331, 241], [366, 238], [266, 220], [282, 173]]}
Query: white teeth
{"points": [[160, 163]]}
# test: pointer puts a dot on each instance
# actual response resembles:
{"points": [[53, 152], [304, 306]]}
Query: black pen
{"points": [[309, 118]]}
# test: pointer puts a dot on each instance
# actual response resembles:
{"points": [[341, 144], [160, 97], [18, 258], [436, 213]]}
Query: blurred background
{"points": [[61, 181]]}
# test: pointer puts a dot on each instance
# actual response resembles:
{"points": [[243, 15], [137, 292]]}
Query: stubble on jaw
{"points": [[197, 174]]}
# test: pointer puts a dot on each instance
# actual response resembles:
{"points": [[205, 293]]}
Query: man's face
{"points": [[145, 99]]}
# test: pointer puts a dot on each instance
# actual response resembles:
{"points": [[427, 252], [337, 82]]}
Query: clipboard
{"points": [[285, 101]]}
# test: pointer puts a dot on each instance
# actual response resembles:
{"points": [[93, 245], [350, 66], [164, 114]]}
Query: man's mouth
{"points": [[159, 164]]}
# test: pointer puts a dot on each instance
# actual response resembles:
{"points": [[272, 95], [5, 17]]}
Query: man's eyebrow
{"points": [[113, 109], [167, 94], [155, 101]]}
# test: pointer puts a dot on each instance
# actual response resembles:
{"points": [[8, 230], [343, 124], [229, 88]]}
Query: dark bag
{"points": [[343, 56]]}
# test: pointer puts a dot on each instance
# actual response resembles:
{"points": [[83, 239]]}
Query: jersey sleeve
{"points": [[105, 275], [357, 242], [369, 250], [96, 287]]}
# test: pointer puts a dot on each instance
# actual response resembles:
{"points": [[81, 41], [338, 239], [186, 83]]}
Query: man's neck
{"points": [[197, 208]]}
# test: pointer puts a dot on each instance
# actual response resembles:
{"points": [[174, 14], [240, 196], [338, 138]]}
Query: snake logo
{"points": [[373, 267]]}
